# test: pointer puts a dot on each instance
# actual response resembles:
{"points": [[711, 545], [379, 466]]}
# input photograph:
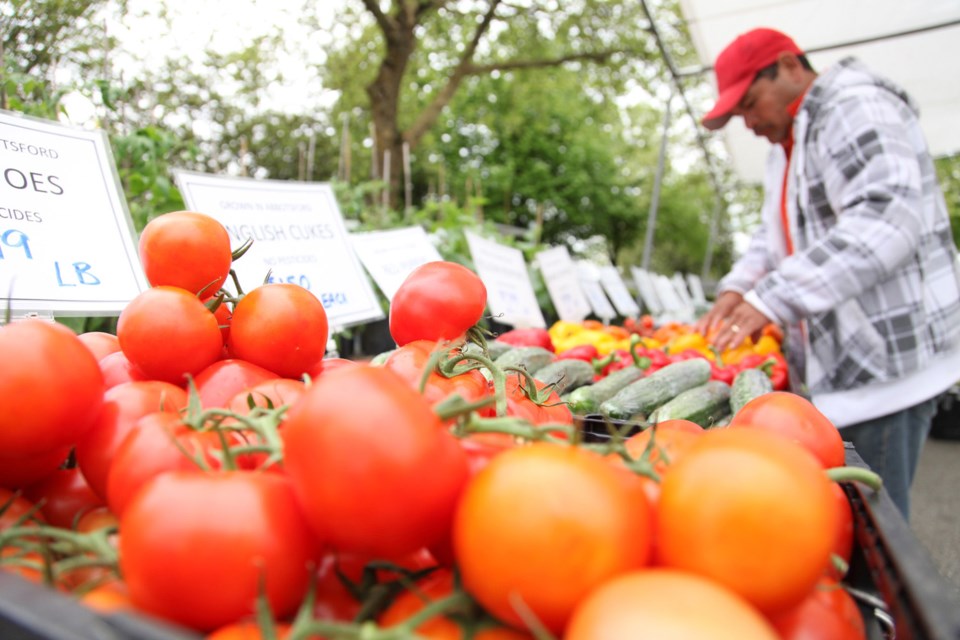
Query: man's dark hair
{"points": [[770, 71]]}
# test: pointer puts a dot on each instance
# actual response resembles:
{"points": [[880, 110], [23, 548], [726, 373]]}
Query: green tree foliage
{"points": [[528, 124], [38, 35], [948, 170]]}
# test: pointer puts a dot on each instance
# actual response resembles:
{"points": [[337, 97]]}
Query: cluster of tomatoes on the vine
{"points": [[238, 471]]}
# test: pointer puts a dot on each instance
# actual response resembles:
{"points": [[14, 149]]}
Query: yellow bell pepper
{"points": [[766, 345], [562, 330], [686, 341]]}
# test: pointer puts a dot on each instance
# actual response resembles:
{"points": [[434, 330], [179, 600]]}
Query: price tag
{"points": [[67, 243], [390, 256], [617, 291], [590, 282], [298, 237], [560, 275], [510, 293]]}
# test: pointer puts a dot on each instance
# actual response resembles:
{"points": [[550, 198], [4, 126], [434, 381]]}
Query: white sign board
{"points": [[298, 237], [67, 244], [648, 291], [617, 291], [589, 275], [560, 275], [680, 284], [696, 290], [667, 293], [389, 256], [510, 293]]}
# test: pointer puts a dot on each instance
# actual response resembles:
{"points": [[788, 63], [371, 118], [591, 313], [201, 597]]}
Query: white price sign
{"points": [[648, 291], [560, 275], [390, 256], [509, 290], [590, 281], [298, 237], [67, 244], [619, 294]]}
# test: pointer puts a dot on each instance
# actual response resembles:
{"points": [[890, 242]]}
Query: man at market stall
{"points": [[854, 257]]}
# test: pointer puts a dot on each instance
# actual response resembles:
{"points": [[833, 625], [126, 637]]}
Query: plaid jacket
{"points": [[871, 291]]}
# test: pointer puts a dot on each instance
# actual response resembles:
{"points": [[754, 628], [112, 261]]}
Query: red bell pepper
{"points": [[776, 367], [585, 352], [528, 337], [722, 373]]}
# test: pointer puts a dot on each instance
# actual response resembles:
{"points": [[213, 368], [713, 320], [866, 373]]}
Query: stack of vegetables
{"points": [[249, 487]]}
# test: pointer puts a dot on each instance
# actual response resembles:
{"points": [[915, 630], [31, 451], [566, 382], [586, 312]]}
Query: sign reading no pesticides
{"points": [[298, 237], [67, 244]]}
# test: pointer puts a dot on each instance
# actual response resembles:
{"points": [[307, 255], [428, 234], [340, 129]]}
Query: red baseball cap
{"points": [[737, 66]]}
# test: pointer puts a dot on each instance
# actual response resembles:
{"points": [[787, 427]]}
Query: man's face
{"points": [[764, 108]]}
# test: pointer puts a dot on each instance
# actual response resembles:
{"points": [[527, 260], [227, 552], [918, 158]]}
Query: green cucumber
{"points": [[704, 404], [587, 399], [639, 398], [747, 385], [529, 358], [566, 375], [496, 348]]}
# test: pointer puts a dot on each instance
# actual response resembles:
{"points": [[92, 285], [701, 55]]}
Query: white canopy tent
{"points": [[916, 44]]}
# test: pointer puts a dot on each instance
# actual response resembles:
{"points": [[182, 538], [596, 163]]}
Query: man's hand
{"points": [[745, 320], [723, 307]]}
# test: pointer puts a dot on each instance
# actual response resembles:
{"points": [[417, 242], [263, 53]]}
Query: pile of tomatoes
{"points": [[209, 467]]}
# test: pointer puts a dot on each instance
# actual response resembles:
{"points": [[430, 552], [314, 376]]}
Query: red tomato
{"points": [[329, 364], [100, 343], [275, 393], [184, 529], [224, 315], [117, 369], [123, 405], [186, 249], [109, 597], [433, 587], [843, 542], [168, 333], [410, 362], [367, 455], [64, 497], [481, 448], [222, 380], [827, 613], [249, 630], [552, 410], [50, 391], [17, 511], [547, 523], [159, 442], [751, 510], [664, 603], [22, 471], [437, 301], [670, 441], [281, 327], [796, 418], [97, 518], [334, 602]]}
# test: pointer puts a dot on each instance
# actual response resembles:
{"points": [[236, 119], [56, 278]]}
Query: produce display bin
{"points": [[895, 581], [29, 611]]}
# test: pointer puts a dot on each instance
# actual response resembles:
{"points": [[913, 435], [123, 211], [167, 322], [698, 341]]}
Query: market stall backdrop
{"points": [[916, 44]]}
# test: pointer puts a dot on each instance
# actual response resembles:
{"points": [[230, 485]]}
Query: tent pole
{"points": [[711, 239], [655, 197]]}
